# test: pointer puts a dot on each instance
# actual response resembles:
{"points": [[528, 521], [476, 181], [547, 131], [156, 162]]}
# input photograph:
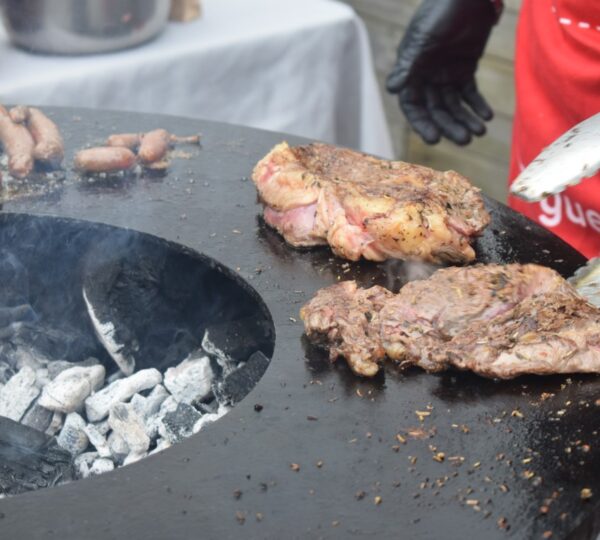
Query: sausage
{"points": [[49, 145], [18, 145], [154, 146], [125, 140], [107, 159]]}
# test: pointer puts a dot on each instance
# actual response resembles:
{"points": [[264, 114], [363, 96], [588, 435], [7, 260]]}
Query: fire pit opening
{"points": [[114, 345]]}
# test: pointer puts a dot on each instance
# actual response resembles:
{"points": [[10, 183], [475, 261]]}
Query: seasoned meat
{"points": [[425, 314], [498, 321], [345, 319], [363, 206], [545, 334]]}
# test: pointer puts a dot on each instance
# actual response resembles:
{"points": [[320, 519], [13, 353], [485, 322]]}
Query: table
{"points": [[303, 68], [312, 411]]}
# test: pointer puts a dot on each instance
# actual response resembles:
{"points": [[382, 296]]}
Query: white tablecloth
{"points": [[298, 66]]}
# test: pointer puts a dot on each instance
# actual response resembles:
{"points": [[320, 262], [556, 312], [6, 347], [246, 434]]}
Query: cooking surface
{"points": [[516, 446]]}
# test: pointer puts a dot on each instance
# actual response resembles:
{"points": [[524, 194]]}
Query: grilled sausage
{"points": [[190, 139], [125, 140], [49, 145], [105, 159], [154, 146], [18, 145]]}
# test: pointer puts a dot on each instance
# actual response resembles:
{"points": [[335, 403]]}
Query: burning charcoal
{"points": [[129, 426], [118, 447], [72, 437], [97, 440], [45, 343], [98, 405], [105, 330], [133, 457], [150, 405], [83, 463], [102, 465], [154, 422], [238, 384], [29, 459], [67, 392], [18, 394], [190, 380], [210, 418], [102, 427], [37, 417], [161, 444], [233, 341], [178, 425], [58, 366], [155, 399], [55, 424]]}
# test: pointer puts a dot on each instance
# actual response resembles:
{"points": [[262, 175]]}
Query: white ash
{"points": [[210, 418], [124, 421], [106, 334], [161, 444], [67, 392], [102, 427], [118, 447], [18, 394], [72, 436], [56, 424], [224, 360], [98, 405], [190, 381], [102, 465], [97, 440], [83, 463]]}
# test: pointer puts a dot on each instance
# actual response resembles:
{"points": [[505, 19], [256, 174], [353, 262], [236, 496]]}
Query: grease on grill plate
{"points": [[113, 346]]}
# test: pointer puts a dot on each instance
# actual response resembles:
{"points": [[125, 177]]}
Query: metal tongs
{"points": [[572, 157]]}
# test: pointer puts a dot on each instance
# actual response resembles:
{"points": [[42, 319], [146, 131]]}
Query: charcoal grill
{"points": [[313, 451]]}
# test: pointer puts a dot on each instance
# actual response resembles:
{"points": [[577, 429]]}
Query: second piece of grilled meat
{"points": [[495, 320]]}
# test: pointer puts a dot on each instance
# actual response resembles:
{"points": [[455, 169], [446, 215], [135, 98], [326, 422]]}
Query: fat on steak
{"points": [[364, 206], [498, 321]]}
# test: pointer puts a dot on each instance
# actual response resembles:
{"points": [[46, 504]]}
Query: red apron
{"points": [[557, 71]]}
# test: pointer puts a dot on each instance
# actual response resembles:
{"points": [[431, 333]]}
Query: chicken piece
{"points": [[364, 206], [426, 314], [345, 319], [552, 333]]}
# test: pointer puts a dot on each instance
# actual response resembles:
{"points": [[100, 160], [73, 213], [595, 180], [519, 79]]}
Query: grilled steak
{"points": [[498, 321], [550, 333], [345, 319], [418, 322], [363, 206]]}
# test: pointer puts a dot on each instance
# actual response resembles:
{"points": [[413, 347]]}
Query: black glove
{"points": [[435, 69]]}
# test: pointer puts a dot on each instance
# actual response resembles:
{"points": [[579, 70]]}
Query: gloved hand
{"points": [[435, 68]]}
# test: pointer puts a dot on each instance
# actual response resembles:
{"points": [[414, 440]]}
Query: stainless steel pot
{"points": [[83, 26]]}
